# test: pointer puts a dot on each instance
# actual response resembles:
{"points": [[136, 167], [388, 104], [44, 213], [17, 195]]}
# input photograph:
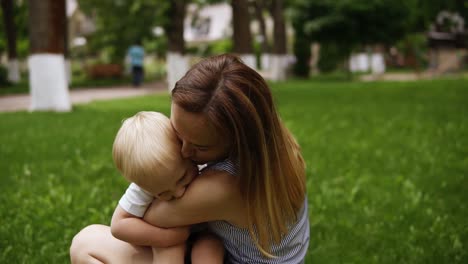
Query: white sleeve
{"points": [[135, 201]]}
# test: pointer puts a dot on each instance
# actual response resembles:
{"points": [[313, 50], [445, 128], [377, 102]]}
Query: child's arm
{"points": [[134, 230]]}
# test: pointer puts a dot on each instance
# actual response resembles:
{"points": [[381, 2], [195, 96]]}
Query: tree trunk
{"points": [[279, 28], [10, 29], [47, 78], [279, 60], [175, 28], [66, 45], [176, 63], [259, 7], [242, 37], [46, 22]]}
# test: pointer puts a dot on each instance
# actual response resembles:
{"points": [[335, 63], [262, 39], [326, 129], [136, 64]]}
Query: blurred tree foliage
{"points": [[121, 23], [20, 14], [348, 24], [424, 12]]}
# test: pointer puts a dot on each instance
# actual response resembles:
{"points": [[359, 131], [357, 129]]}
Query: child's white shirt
{"points": [[136, 201]]}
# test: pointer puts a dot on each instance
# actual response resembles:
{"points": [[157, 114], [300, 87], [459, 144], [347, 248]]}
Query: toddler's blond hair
{"points": [[145, 143]]}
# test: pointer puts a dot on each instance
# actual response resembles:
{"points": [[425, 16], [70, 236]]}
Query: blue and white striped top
{"points": [[241, 248]]}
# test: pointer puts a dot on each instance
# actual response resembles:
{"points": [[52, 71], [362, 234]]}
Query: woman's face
{"points": [[201, 142]]}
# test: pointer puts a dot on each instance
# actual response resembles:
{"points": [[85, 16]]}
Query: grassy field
{"points": [[387, 171]]}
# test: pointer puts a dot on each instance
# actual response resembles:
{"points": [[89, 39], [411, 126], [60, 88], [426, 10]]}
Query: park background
{"points": [[376, 93]]}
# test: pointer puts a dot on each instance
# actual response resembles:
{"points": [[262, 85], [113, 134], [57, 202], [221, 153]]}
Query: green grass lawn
{"points": [[387, 171]]}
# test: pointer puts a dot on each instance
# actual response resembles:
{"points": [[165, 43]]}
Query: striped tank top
{"points": [[241, 248]]}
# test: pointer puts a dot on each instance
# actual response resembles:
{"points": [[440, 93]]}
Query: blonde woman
{"points": [[252, 192]]}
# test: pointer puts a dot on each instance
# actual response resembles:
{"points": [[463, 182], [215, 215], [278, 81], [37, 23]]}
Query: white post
{"points": [[377, 63], [278, 67], [68, 71], [13, 71], [249, 60], [48, 84], [265, 60], [176, 65], [362, 62]]}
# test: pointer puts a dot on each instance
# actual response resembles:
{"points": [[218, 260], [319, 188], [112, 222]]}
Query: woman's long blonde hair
{"points": [[237, 100]]}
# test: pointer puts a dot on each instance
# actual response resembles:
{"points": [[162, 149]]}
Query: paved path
{"points": [[20, 102]]}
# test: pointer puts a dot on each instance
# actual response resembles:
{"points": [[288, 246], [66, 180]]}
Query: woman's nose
{"points": [[187, 150], [179, 192]]}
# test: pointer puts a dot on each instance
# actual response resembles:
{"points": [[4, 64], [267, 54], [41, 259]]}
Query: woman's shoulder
{"points": [[217, 176], [217, 184], [226, 165]]}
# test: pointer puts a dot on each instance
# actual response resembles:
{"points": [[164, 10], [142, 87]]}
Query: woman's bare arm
{"points": [[213, 195]]}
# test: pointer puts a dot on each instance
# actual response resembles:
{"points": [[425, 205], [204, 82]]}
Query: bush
{"points": [[3, 76], [331, 55], [415, 49]]}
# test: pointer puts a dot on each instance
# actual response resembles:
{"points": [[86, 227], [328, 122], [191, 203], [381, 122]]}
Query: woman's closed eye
{"points": [[202, 148]]}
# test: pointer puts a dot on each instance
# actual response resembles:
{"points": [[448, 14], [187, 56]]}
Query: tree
{"points": [[352, 23], [120, 23], [259, 7], [10, 29], [48, 85], [301, 14], [242, 37], [424, 12], [177, 63], [20, 20], [279, 35]]}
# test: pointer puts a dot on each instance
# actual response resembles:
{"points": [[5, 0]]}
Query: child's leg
{"points": [[169, 255], [207, 249]]}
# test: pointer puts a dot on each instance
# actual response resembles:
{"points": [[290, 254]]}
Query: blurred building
{"points": [[448, 41], [207, 23], [79, 25]]}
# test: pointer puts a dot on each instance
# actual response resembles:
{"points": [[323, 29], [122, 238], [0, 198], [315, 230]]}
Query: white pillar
{"points": [[265, 61], [377, 63], [48, 83], [278, 67], [363, 62], [353, 63], [13, 71], [68, 71], [249, 60], [176, 66]]}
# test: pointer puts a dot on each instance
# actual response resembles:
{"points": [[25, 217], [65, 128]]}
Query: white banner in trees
{"points": [[48, 83]]}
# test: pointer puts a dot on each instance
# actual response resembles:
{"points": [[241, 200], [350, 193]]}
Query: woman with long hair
{"points": [[252, 192]]}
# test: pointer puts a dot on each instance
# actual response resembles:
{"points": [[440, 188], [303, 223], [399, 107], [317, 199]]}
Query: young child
{"points": [[147, 153]]}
